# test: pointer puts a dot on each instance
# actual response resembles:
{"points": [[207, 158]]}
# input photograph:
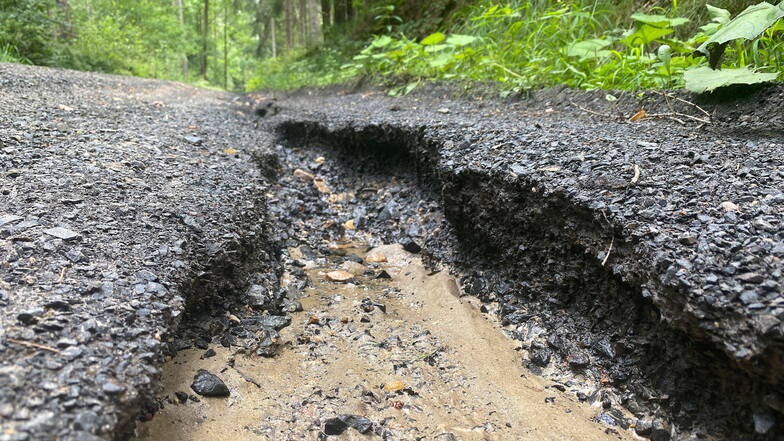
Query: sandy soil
{"points": [[461, 374]]}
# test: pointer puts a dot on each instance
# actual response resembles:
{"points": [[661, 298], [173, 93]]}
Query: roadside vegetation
{"points": [[283, 44]]}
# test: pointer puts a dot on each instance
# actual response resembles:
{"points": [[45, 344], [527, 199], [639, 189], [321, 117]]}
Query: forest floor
{"points": [[416, 268]]}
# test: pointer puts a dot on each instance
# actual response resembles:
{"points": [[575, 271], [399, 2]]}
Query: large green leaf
{"points": [[461, 40], [432, 39], [705, 79], [748, 25], [660, 21], [589, 48], [645, 34]]}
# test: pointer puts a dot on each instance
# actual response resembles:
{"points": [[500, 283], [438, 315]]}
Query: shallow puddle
{"points": [[405, 352]]}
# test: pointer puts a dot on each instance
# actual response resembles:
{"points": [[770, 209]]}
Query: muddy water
{"points": [[408, 353]]}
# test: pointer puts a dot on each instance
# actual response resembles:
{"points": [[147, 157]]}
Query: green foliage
{"points": [[704, 79], [749, 25], [302, 68], [26, 28], [580, 44]]}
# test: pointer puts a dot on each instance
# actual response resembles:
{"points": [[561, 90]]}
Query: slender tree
{"points": [[226, 44], [184, 62], [289, 25], [205, 38], [326, 14], [340, 11], [303, 23]]}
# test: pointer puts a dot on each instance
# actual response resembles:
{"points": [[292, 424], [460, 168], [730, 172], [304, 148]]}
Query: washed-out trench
{"points": [[499, 327]]}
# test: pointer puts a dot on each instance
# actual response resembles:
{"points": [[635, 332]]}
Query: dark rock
{"points": [[209, 385], [209, 353], [661, 431], [763, 422], [28, 317], [335, 426], [339, 424], [541, 357], [578, 361], [383, 275], [410, 245], [182, 397], [643, 427]]}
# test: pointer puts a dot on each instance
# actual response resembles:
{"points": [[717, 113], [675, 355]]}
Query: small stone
{"points": [[763, 422], [209, 385], [541, 357], [62, 233], [111, 388], [209, 353], [394, 386], [750, 277], [661, 431], [27, 317], [335, 426], [410, 246], [729, 206], [8, 219], [302, 174], [182, 397], [578, 361], [339, 276], [643, 428], [375, 258], [749, 297], [195, 140], [383, 275]]}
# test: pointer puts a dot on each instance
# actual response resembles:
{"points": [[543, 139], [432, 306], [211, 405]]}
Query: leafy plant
{"points": [[749, 25]]}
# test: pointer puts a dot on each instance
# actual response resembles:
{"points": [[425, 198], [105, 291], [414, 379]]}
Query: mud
{"points": [[454, 362]]}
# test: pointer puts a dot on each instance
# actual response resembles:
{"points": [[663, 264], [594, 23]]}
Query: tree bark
{"points": [[340, 11], [316, 17], [273, 32], [326, 14], [225, 44], [303, 23], [349, 9], [184, 62], [289, 26], [206, 36]]}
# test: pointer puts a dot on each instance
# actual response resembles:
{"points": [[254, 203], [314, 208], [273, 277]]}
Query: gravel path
{"points": [[646, 255], [114, 192]]}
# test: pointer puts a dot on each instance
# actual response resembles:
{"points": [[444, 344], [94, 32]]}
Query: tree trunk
{"points": [[289, 26], [326, 14], [303, 23], [184, 62], [340, 11], [349, 9], [316, 17], [206, 36], [225, 44], [274, 37]]}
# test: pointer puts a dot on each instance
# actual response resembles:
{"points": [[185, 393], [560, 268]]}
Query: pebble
{"points": [[209, 385], [62, 233]]}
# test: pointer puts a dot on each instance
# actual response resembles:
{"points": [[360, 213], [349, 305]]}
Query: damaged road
{"points": [[623, 278]]}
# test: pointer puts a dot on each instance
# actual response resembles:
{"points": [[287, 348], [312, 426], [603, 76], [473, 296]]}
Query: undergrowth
{"points": [[587, 44]]}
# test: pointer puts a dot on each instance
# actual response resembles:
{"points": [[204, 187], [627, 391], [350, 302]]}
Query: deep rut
{"points": [[397, 344], [431, 367]]}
